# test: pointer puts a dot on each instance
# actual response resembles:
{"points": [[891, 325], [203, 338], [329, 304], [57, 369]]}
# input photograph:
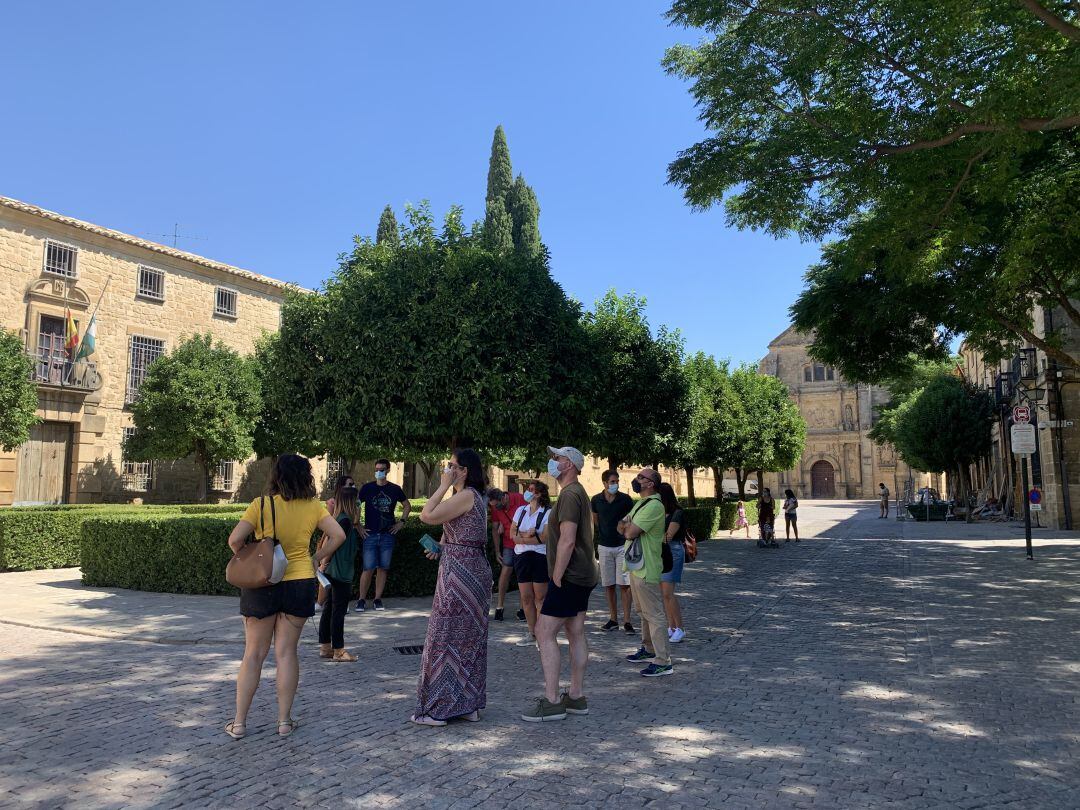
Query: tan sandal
{"points": [[343, 656], [325, 651], [236, 730], [289, 727]]}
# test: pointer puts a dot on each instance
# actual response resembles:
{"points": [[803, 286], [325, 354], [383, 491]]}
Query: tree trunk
{"points": [[962, 478], [760, 482], [429, 468], [203, 493], [740, 481], [718, 482], [613, 463], [691, 496]]}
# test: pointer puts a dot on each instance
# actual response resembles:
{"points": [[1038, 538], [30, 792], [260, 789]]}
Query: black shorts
{"points": [[531, 567], [567, 601], [791, 517], [295, 597]]}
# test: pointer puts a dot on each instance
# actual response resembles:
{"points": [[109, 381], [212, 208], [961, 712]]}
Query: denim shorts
{"points": [[678, 557], [378, 550], [507, 557], [296, 597]]}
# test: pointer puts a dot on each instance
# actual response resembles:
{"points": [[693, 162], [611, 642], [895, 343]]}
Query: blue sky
{"points": [[276, 131]]}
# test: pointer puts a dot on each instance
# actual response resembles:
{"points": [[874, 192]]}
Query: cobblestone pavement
{"points": [[875, 664]]}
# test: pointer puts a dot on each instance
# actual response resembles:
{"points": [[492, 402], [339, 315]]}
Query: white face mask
{"points": [[613, 488], [553, 468], [528, 496]]}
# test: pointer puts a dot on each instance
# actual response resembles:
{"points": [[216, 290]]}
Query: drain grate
{"points": [[410, 649]]}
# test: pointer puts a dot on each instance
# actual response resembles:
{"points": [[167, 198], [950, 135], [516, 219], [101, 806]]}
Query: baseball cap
{"points": [[572, 453]]}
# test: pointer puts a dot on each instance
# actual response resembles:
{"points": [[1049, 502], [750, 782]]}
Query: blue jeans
{"points": [[378, 549], [678, 557]]}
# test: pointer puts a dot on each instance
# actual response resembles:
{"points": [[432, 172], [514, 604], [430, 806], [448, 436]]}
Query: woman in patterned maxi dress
{"points": [[453, 669]]}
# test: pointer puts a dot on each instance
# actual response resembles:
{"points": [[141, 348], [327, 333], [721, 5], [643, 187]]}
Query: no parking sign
{"points": [[1035, 499]]}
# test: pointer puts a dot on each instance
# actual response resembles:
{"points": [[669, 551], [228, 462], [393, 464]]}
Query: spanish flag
{"points": [[71, 341]]}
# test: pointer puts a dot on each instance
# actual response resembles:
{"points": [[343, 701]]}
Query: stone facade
{"points": [[840, 460], [51, 263]]}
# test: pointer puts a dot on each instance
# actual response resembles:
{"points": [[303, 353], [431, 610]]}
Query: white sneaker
{"points": [[528, 641], [670, 632], [677, 636]]}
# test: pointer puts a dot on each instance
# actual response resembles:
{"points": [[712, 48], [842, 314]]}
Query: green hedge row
{"points": [[708, 521], [188, 554]]}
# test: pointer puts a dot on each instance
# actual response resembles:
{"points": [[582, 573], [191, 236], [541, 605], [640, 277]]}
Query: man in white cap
{"points": [[572, 575]]}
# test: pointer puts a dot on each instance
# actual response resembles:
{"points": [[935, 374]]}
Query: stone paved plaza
{"points": [[875, 664]]}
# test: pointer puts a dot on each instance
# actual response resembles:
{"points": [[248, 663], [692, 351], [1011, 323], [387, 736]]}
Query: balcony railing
{"points": [[57, 371]]}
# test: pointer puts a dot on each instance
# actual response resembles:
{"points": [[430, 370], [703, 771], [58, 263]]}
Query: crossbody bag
{"points": [[259, 563]]}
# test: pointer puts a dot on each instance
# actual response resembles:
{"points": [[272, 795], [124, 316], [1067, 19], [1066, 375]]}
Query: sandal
{"points": [[236, 730], [289, 727], [343, 656], [325, 651]]}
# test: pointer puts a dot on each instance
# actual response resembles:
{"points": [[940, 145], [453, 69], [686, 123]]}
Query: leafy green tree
{"points": [[524, 211], [387, 233], [200, 400], [641, 393], [771, 435], [18, 393], [939, 140]]}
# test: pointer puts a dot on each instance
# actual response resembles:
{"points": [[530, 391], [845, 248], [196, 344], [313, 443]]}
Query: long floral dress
{"points": [[453, 669]]}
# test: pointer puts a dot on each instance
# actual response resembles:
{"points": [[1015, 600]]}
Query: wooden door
{"points": [[41, 472], [822, 480]]}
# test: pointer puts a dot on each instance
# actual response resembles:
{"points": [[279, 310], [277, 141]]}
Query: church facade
{"points": [[840, 459]]}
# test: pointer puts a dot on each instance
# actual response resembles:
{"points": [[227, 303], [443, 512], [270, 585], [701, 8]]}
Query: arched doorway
{"points": [[822, 480]]}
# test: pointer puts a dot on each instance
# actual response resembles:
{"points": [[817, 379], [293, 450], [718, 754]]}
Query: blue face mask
{"points": [[380, 475], [613, 489], [553, 468], [528, 496]]}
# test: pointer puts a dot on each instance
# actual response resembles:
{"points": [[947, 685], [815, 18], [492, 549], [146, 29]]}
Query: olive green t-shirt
{"points": [[573, 505]]}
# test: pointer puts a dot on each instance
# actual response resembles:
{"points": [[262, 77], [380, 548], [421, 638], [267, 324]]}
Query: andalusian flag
{"points": [[89, 340], [71, 335]]}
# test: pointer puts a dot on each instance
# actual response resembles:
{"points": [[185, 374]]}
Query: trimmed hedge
{"points": [[212, 508], [707, 521], [188, 554]]}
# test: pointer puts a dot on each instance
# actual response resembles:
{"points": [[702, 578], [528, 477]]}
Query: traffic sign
{"points": [[1036, 507], [1022, 414], [1058, 423], [1035, 496], [1023, 439]]}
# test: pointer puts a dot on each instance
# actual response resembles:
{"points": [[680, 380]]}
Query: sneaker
{"points": [[574, 705], [528, 641], [498, 614], [521, 615], [361, 606], [424, 720], [677, 636], [670, 632], [378, 604], [611, 625], [641, 655], [656, 670], [629, 628], [543, 711]]}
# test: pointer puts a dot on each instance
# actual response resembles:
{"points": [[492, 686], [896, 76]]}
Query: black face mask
{"points": [[635, 485]]}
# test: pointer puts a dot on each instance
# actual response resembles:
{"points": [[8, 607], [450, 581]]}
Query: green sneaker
{"points": [[543, 711], [574, 705]]}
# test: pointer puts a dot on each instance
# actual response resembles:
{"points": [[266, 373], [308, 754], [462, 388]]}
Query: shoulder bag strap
{"points": [[273, 523]]}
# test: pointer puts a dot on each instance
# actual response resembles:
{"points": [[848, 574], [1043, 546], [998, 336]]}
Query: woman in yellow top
{"points": [[277, 613]]}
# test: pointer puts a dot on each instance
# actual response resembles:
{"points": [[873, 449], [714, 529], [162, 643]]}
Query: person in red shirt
{"points": [[501, 507]]}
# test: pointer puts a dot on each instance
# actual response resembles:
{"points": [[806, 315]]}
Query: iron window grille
{"points": [[151, 283], [225, 302], [137, 476], [142, 352], [224, 477], [334, 468], [60, 259]]}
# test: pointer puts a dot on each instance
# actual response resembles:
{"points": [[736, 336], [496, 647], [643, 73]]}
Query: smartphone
{"points": [[429, 544]]}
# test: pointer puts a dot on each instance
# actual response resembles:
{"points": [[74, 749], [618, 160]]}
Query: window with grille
{"points": [[136, 475], [142, 351], [334, 468], [223, 478], [808, 375], [60, 259], [225, 302], [151, 283]]}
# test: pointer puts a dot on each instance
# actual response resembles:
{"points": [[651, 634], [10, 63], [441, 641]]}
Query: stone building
{"points": [[151, 296], [840, 460]]}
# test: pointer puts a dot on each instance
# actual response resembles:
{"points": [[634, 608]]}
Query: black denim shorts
{"points": [[567, 601], [531, 567], [295, 597]]}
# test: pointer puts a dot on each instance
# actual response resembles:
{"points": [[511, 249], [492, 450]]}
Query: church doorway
{"points": [[822, 480]]}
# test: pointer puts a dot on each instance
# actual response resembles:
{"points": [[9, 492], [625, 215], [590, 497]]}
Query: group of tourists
{"points": [[548, 545]]}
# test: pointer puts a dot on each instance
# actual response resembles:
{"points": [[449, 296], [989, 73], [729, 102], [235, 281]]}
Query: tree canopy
{"points": [[771, 434], [938, 140], [201, 399], [18, 392]]}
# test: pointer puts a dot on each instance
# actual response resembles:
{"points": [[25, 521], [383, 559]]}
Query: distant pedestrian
{"points": [[740, 519], [530, 554], [675, 537], [572, 575], [502, 506], [766, 518], [276, 613], [883, 493], [380, 498], [646, 521], [453, 668], [608, 508], [343, 481], [340, 570], [791, 515]]}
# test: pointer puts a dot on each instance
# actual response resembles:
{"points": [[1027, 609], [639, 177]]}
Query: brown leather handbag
{"points": [[690, 545], [259, 563]]}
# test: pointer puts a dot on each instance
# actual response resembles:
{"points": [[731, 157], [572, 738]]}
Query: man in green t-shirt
{"points": [[646, 521], [572, 575]]}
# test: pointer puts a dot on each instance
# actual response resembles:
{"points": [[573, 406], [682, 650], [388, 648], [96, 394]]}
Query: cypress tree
{"points": [[525, 216], [500, 173], [387, 233], [498, 227]]}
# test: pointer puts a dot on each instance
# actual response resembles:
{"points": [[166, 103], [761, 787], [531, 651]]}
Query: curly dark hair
{"points": [[474, 476], [291, 478], [543, 494]]}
